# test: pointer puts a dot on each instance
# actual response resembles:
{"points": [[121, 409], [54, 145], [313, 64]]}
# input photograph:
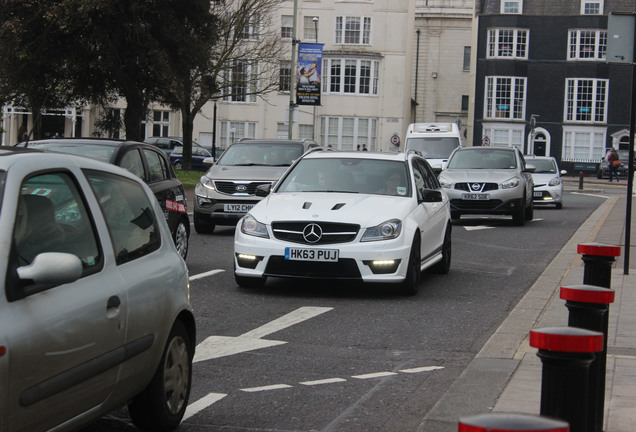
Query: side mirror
{"points": [[530, 168], [437, 169], [431, 195], [52, 268], [564, 172], [263, 190], [209, 160]]}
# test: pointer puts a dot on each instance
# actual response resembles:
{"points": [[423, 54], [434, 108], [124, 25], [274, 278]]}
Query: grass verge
{"points": [[189, 178]]}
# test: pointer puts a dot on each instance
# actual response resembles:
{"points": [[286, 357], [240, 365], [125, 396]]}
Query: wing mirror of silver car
{"points": [[530, 168], [52, 268]]}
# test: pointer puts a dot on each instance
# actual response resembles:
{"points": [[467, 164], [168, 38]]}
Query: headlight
{"points": [[445, 183], [205, 186], [385, 231], [251, 226], [511, 183], [555, 181]]}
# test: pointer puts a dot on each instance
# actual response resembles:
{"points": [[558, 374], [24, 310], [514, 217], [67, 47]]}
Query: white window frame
{"points": [[577, 106], [252, 30], [591, 3], [515, 99], [158, 127], [364, 82], [347, 34], [286, 26], [583, 144], [251, 74], [507, 7], [309, 28], [577, 44], [241, 130], [344, 133], [518, 46], [284, 76], [504, 134]]}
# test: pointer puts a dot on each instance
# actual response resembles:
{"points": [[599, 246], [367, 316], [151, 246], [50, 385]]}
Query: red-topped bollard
{"points": [[588, 307], [598, 259], [566, 354], [511, 422]]}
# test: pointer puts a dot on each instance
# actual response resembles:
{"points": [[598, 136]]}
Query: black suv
{"points": [[147, 162]]}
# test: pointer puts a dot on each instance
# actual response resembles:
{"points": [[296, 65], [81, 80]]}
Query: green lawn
{"points": [[189, 178]]}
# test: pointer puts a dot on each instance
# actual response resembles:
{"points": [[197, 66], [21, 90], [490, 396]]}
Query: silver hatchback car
{"points": [[489, 180], [96, 309]]}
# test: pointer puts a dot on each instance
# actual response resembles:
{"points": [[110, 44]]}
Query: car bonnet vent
{"points": [[338, 206], [306, 205]]}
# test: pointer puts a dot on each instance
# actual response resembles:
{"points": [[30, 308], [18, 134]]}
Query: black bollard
{"points": [[566, 354], [581, 176], [588, 307], [598, 259], [511, 422]]}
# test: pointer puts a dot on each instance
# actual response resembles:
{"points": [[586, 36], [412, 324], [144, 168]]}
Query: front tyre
{"points": [[519, 216], [201, 225], [411, 283], [529, 214], [161, 406], [443, 267]]}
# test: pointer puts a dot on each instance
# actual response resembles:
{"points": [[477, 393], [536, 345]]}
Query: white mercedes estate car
{"points": [[362, 216]]}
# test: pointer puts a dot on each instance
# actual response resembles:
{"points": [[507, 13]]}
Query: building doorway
{"points": [[540, 143]]}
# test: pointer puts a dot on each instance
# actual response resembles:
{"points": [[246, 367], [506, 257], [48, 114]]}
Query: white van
{"points": [[436, 141]]}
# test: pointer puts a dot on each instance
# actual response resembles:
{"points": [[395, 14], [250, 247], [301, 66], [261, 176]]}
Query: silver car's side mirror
{"points": [[52, 268]]}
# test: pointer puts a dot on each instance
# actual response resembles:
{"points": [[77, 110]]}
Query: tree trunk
{"points": [[187, 124], [133, 117]]}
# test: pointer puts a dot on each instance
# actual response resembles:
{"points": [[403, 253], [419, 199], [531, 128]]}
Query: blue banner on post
{"points": [[309, 74]]}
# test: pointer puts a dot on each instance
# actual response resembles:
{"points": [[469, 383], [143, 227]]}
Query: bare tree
{"points": [[243, 62]]}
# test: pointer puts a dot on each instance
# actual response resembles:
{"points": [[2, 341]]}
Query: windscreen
{"points": [[486, 158], [433, 148], [263, 154], [543, 165], [348, 175]]}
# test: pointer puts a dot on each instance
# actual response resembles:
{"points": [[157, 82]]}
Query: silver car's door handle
{"points": [[113, 302]]}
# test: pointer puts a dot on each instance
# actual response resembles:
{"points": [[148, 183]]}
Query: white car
{"points": [[371, 217], [95, 306], [548, 184]]}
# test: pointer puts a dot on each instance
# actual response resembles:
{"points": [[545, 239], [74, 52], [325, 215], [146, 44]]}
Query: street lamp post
{"points": [[292, 83], [313, 132]]}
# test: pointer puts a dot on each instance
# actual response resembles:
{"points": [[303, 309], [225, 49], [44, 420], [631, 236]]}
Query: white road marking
{"points": [[295, 317], [266, 388], [323, 381], [206, 274], [422, 369], [220, 346], [478, 227], [211, 398], [202, 403], [374, 375], [592, 195]]}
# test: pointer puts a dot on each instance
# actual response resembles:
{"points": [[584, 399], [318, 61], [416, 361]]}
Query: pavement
{"points": [[505, 376]]}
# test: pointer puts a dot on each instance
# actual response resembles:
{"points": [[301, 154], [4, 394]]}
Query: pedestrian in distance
{"points": [[614, 162]]}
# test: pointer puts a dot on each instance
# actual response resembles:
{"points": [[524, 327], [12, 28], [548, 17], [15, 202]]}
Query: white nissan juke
{"points": [[371, 217]]}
